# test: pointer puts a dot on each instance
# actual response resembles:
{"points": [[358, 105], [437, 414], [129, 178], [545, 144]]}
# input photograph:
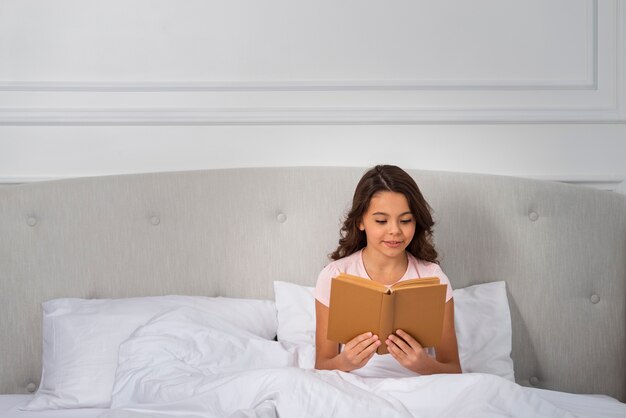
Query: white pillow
{"points": [[81, 338], [483, 329], [295, 307], [482, 322]]}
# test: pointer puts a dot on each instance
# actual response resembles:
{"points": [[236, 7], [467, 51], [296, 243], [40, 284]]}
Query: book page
{"points": [[361, 281], [424, 281]]}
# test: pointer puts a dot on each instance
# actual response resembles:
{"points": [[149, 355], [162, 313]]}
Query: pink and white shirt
{"points": [[353, 264]]}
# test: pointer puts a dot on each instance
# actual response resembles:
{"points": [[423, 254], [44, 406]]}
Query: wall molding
{"points": [[601, 182], [295, 116], [375, 85]]}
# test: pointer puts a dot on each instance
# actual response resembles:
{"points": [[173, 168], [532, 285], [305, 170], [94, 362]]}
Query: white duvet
{"points": [[186, 363]]}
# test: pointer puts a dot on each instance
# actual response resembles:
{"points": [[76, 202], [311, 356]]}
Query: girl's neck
{"points": [[383, 269]]}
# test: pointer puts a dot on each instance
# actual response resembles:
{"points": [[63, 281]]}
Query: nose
{"points": [[394, 228]]}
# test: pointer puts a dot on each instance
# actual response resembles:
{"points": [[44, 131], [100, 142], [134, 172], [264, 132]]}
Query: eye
{"points": [[406, 221], [381, 222]]}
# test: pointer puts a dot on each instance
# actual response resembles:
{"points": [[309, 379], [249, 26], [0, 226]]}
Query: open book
{"points": [[359, 305]]}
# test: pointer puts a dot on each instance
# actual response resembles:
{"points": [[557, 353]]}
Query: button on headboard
{"points": [[560, 248]]}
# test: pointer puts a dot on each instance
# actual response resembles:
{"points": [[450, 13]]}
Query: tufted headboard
{"points": [[560, 248]]}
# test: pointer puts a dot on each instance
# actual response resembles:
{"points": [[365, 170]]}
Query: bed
{"points": [[188, 294]]}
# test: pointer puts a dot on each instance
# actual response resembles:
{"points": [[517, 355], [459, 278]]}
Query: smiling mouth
{"points": [[393, 243]]}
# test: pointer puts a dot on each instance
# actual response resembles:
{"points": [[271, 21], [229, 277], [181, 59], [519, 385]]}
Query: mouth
{"points": [[392, 244]]}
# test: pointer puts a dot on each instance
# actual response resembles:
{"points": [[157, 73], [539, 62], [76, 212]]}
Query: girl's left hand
{"points": [[407, 351]]}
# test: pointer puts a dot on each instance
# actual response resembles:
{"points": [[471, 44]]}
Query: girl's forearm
{"points": [[334, 363], [433, 366]]}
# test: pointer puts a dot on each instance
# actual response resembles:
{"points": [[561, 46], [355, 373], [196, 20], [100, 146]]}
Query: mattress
{"points": [[9, 408]]}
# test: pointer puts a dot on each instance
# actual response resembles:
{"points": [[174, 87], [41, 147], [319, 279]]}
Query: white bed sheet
{"points": [[187, 363], [9, 405], [581, 405]]}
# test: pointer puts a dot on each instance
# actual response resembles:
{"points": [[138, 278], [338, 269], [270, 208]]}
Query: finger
{"points": [[400, 356], [368, 352], [394, 349], [409, 340], [358, 339], [400, 343], [359, 346], [368, 358], [367, 344]]}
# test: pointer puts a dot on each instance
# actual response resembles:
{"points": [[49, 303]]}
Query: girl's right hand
{"points": [[358, 351]]}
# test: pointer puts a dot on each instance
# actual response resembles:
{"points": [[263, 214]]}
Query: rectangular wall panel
{"points": [[166, 62]]}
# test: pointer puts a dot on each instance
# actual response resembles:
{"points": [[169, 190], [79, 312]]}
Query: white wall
{"points": [[533, 88]]}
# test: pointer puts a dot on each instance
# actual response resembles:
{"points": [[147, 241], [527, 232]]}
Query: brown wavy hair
{"points": [[394, 179]]}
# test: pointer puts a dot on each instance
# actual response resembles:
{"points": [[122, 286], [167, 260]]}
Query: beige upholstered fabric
{"points": [[560, 248]]}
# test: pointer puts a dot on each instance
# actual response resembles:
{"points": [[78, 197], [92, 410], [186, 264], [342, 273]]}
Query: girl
{"points": [[386, 237]]}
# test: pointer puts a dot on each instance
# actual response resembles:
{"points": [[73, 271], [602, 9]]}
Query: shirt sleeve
{"points": [[322, 289], [443, 279]]}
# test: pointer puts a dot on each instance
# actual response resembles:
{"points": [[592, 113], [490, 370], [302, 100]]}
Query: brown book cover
{"points": [[359, 305]]}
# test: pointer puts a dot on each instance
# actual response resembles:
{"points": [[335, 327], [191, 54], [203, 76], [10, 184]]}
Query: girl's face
{"points": [[388, 223]]}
